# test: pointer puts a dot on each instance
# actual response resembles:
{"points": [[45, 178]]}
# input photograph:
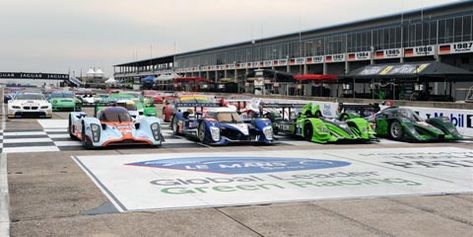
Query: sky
{"points": [[73, 35]]}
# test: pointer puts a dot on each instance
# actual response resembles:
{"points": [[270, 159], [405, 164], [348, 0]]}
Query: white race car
{"points": [[29, 105], [114, 126]]}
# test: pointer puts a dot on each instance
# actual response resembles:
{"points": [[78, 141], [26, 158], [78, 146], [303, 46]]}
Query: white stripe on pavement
{"points": [[23, 133], [29, 149], [4, 198], [53, 123], [55, 130], [27, 140], [67, 143], [65, 135], [176, 141]]}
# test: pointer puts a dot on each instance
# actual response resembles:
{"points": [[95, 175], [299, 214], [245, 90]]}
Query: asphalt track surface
{"points": [[50, 195]]}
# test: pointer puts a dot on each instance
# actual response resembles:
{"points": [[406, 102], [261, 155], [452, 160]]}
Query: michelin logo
{"points": [[242, 165]]}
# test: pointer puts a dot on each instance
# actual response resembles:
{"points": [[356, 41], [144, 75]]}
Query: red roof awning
{"points": [[315, 77], [189, 79]]}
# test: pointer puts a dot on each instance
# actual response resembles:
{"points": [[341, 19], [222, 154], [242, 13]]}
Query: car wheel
{"points": [[308, 131], [71, 129], [395, 130], [174, 125], [201, 133], [86, 143]]}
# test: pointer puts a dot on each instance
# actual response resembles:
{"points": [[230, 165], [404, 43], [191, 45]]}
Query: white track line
{"points": [[67, 143], [4, 198], [30, 149], [27, 140], [66, 135], [55, 129], [23, 133]]}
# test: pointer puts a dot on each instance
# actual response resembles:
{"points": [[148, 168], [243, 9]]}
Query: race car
{"points": [[220, 126], [403, 124], [29, 105], [154, 95], [64, 100], [312, 126], [114, 126], [170, 107], [144, 106], [367, 111], [129, 105]]}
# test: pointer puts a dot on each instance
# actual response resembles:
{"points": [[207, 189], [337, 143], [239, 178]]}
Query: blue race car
{"points": [[221, 126]]}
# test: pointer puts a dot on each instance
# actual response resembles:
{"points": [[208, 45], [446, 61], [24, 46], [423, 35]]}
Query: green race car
{"points": [[403, 124], [64, 100], [312, 126], [144, 106]]}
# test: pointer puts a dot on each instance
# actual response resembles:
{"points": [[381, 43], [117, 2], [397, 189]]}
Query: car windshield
{"points": [[62, 95], [29, 97], [129, 107], [124, 96], [195, 99], [410, 115], [228, 117], [117, 114]]}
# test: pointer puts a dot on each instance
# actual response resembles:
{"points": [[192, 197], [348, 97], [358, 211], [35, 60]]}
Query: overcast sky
{"points": [[55, 35]]}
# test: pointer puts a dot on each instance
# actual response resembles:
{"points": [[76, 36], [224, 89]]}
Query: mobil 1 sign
{"points": [[184, 180], [461, 119]]}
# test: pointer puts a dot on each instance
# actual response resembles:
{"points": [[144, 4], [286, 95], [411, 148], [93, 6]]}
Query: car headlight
{"points": [[54, 101], [215, 132], [155, 130], [268, 132], [44, 107], [95, 132], [15, 107]]}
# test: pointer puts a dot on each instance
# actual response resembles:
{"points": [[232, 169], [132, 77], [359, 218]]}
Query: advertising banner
{"points": [[419, 51], [461, 47], [209, 179], [462, 119], [388, 53], [335, 58], [359, 56]]}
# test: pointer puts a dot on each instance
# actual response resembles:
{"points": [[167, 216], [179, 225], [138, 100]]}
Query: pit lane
{"points": [[50, 194]]}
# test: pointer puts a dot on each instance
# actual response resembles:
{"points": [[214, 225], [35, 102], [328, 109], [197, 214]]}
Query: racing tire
{"points": [[308, 131], [174, 126], [71, 129], [395, 130], [158, 145], [86, 143], [201, 134], [164, 116]]}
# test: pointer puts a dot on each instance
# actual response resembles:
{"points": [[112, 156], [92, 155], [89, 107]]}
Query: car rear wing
{"points": [[359, 109], [282, 105], [196, 105], [287, 108]]}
